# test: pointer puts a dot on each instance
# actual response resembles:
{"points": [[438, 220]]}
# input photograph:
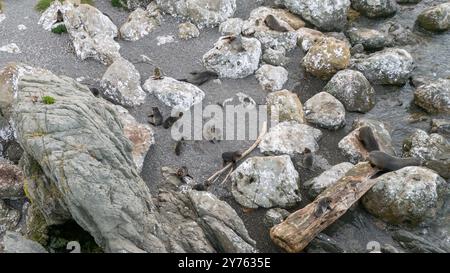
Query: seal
{"points": [[274, 24], [367, 138], [387, 162], [201, 77]]}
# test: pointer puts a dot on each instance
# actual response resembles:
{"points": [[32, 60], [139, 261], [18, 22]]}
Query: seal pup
{"points": [[171, 120], [308, 159], [201, 77], [155, 118], [274, 24], [231, 157], [386, 162], [322, 206], [368, 140]]}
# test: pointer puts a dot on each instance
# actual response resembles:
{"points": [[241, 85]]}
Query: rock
{"points": [[11, 181], [285, 105], [266, 182], [176, 94], [327, 15], [398, 35], [140, 23], [200, 12], [9, 219], [140, 135], [408, 195], [81, 167], [307, 37], [434, 149], [37, 228], [357, 49], [440, 126], [15, 243], [275, 57], [14, 152], [408, 1], [434, 96], [435, 18], [275, 216], [92, 33], [375, 9], [323, 243], [416, 244], [371, 39], [134, 4], [353, 90], [167, 39], [121, 84], [325, 111], [353, 148], [328, 178], [11, 48], [327, 57], [231, 62], [290, 138], [232, 26], [49, 17], [391, 66], [188, 31], [272, 78]]}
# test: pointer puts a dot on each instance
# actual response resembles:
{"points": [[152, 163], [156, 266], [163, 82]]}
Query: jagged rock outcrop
{"points": [[140, 23]]}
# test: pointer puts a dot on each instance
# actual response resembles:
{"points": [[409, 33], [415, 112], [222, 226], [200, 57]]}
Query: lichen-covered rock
{"points": [[409, 195], [285, 105], [140, 23], [371, 39], [11, 181], [134, 4], [176, 94], [307, 37], [234, 58], [272, 78], [375, 9], [92, 33], [188, 31], [290, 138], [353, 90], [434, 96], [329, 177], [275, 216], [15, 243], [275, 57], [9, 220], [232, 26], [327, 15], [207, 13], [440, 126], [121, 84], [354, 149], [434, 149], [49, 17], [327, 57], [436, 18], [266, 182], [325, 111], [391, 66]]}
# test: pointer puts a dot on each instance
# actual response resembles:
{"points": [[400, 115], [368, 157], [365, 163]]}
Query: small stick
{"points": [[244, 154]]}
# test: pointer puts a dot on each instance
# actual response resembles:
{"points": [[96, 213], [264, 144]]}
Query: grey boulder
{"points": [[434, 96], [436, 18], [15, 243], [375, 9], [325, 111], [272, 78], [140, 23], [328, 178]]}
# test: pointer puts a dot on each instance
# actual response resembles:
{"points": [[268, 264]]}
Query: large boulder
{"points": [[409, 195], [352, 89], [234, 57], [325, 111], [201, 12], [134, 4], [271, 78], [9, 220], [232, 26], [327, 15], [434, 96], [371, 39], [391, 66], [15, 243], [375, 9], [327, 57], [436, 18], [266, 182], [285, 105], [11, 181], [140, 23]]}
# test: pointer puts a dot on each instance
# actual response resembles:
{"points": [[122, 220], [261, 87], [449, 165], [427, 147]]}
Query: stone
{"points": [[440, 126], [392, 66], [275, 216], [275, 57], [434, 96], [188, 31], [326, 179], [11, 48], [234, 63], [204, 13], [434, 149], [232, 26], [353, 148], [15, 243], [375, 9], [121, 84], [140, 23], [307, 37], [399, 35], [353, 90], [9, 219], [272, 78], [409, 195], [435, 18], [325, 111], [327, 15], [92, 33], [49, 17], [266, 182], [371, 39], [285, 105], [134, 4], [415, 243], [173, 93], [290, 138], [11, 181], [327, 57]]}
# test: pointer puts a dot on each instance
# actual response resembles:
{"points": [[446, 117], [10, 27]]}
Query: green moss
{"points": [[42, 5], [37, 228], [1, 6], [48, 100], [59, 29], [117, 4]]}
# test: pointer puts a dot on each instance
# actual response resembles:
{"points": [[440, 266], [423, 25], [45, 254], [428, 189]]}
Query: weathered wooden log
{"points": [[300, 228]]}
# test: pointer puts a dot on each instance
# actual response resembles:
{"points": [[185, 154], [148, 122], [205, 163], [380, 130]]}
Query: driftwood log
{"points": [[300, 228]]}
